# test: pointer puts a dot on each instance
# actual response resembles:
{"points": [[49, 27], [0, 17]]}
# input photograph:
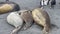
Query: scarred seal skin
{"points": [[41, 17]]}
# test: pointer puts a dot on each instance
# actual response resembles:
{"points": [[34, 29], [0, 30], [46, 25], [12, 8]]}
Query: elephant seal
{"points": [[16, 20], [27, 17], [8, 6], [5, 8], [41, 17]]}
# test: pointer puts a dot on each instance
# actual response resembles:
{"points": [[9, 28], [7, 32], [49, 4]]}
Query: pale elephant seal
{"points": [[16, 20]]}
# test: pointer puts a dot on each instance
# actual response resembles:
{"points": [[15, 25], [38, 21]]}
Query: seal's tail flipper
{"points": [[14, 31]]}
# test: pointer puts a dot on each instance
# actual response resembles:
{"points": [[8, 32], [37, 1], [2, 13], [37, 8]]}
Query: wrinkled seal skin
{"points": [[15, 6], [16, 20], [27, 17], [42, 18]]}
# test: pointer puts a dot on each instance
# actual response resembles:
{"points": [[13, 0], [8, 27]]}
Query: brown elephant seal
{"points": [[27, 17], [8, 6], [16, 20], [41, 17]]}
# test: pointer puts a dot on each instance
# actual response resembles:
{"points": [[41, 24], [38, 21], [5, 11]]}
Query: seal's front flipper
{"points": [[26, 26], [15, 31]]}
